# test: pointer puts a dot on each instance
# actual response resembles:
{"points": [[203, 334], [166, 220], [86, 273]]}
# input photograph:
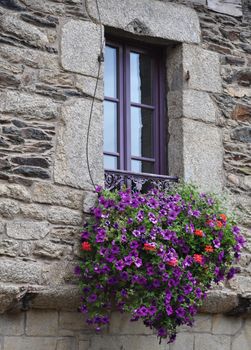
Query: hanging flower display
{"points": [[154, 255]]}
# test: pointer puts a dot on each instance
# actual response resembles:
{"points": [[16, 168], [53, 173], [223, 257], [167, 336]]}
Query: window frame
{"points": [[124, 104]]}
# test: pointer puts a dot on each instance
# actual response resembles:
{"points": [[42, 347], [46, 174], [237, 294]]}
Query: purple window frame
{"points": [[124, 105]]}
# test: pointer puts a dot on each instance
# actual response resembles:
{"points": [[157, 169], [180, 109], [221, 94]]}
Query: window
{"points": [[133, 109]]}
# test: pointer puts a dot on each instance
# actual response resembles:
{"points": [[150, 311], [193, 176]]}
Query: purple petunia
{"points": [[231, 273], [98, 189], [123, 238], [134, 245], [115, 249], [216, 243], [140, 215], [77, 270], [136, 233], [83, 309], [85, 235], [152, 218], [97, 212], [128, 260], [221, 256], [101, 234], [189, 228], [192, 310], [162, 332], [187, 289], [137, 262], [152, 310], [168, 297], [120, 265], [112, 280], [172, 215], [109, 257], [188, 261], [180, 312], [181, 298], [124, 275], [198, 293], [129, 221], [162, 266], [86, 290], [92, 298], [235, 230], [150, 270], [124, 293], [169, 310], [156, 283]]}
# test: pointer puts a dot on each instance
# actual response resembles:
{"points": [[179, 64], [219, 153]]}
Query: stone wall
{"points": [[45, 100], [40, 218], [53, 330], [231, 38]]}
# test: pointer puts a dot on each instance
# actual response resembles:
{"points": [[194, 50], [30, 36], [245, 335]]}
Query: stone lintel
{"points": [[149, 18]]}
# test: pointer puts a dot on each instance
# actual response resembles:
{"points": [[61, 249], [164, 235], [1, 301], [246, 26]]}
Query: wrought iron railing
{"points": [[137, 181]]}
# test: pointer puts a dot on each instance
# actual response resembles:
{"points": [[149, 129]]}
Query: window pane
{"points": [[110, 79], [141, 132], [110, 127], [141, 78], [141, 166], [110, 162]]}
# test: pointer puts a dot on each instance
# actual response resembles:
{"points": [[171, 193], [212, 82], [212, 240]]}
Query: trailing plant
{"points": [[154, 255]]}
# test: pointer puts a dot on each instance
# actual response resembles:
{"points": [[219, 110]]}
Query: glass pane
{"points": [[110, 127], [141, 78], [141, 166], [110, 78], [110, 162], [141, 132]]}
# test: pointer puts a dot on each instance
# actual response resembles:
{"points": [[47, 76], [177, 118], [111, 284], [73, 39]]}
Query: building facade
{"points": [[54, 127]]}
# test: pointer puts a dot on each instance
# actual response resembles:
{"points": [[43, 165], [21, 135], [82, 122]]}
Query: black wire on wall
{"points": [[100, 60]]}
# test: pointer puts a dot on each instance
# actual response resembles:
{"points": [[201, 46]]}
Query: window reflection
{"points": [[110, 127], [110, 77], [141, 78], [110, 162], [140, 166], [141, 132]]}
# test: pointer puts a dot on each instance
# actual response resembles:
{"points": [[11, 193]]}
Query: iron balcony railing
{"points": [[116, 179]]}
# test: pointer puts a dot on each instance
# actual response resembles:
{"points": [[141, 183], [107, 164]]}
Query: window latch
{"points": [[101, 57], [187, 77]]}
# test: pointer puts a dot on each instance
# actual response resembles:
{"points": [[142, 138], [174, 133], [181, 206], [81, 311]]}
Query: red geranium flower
{"points": [[209, 249], [199, 233], [219, 223], [149, 246], [223, 217], [198, 258], [173, 262], [86, 246]]}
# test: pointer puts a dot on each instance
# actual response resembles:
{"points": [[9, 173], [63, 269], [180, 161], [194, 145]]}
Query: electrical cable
{"points": [[100, 60]]}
